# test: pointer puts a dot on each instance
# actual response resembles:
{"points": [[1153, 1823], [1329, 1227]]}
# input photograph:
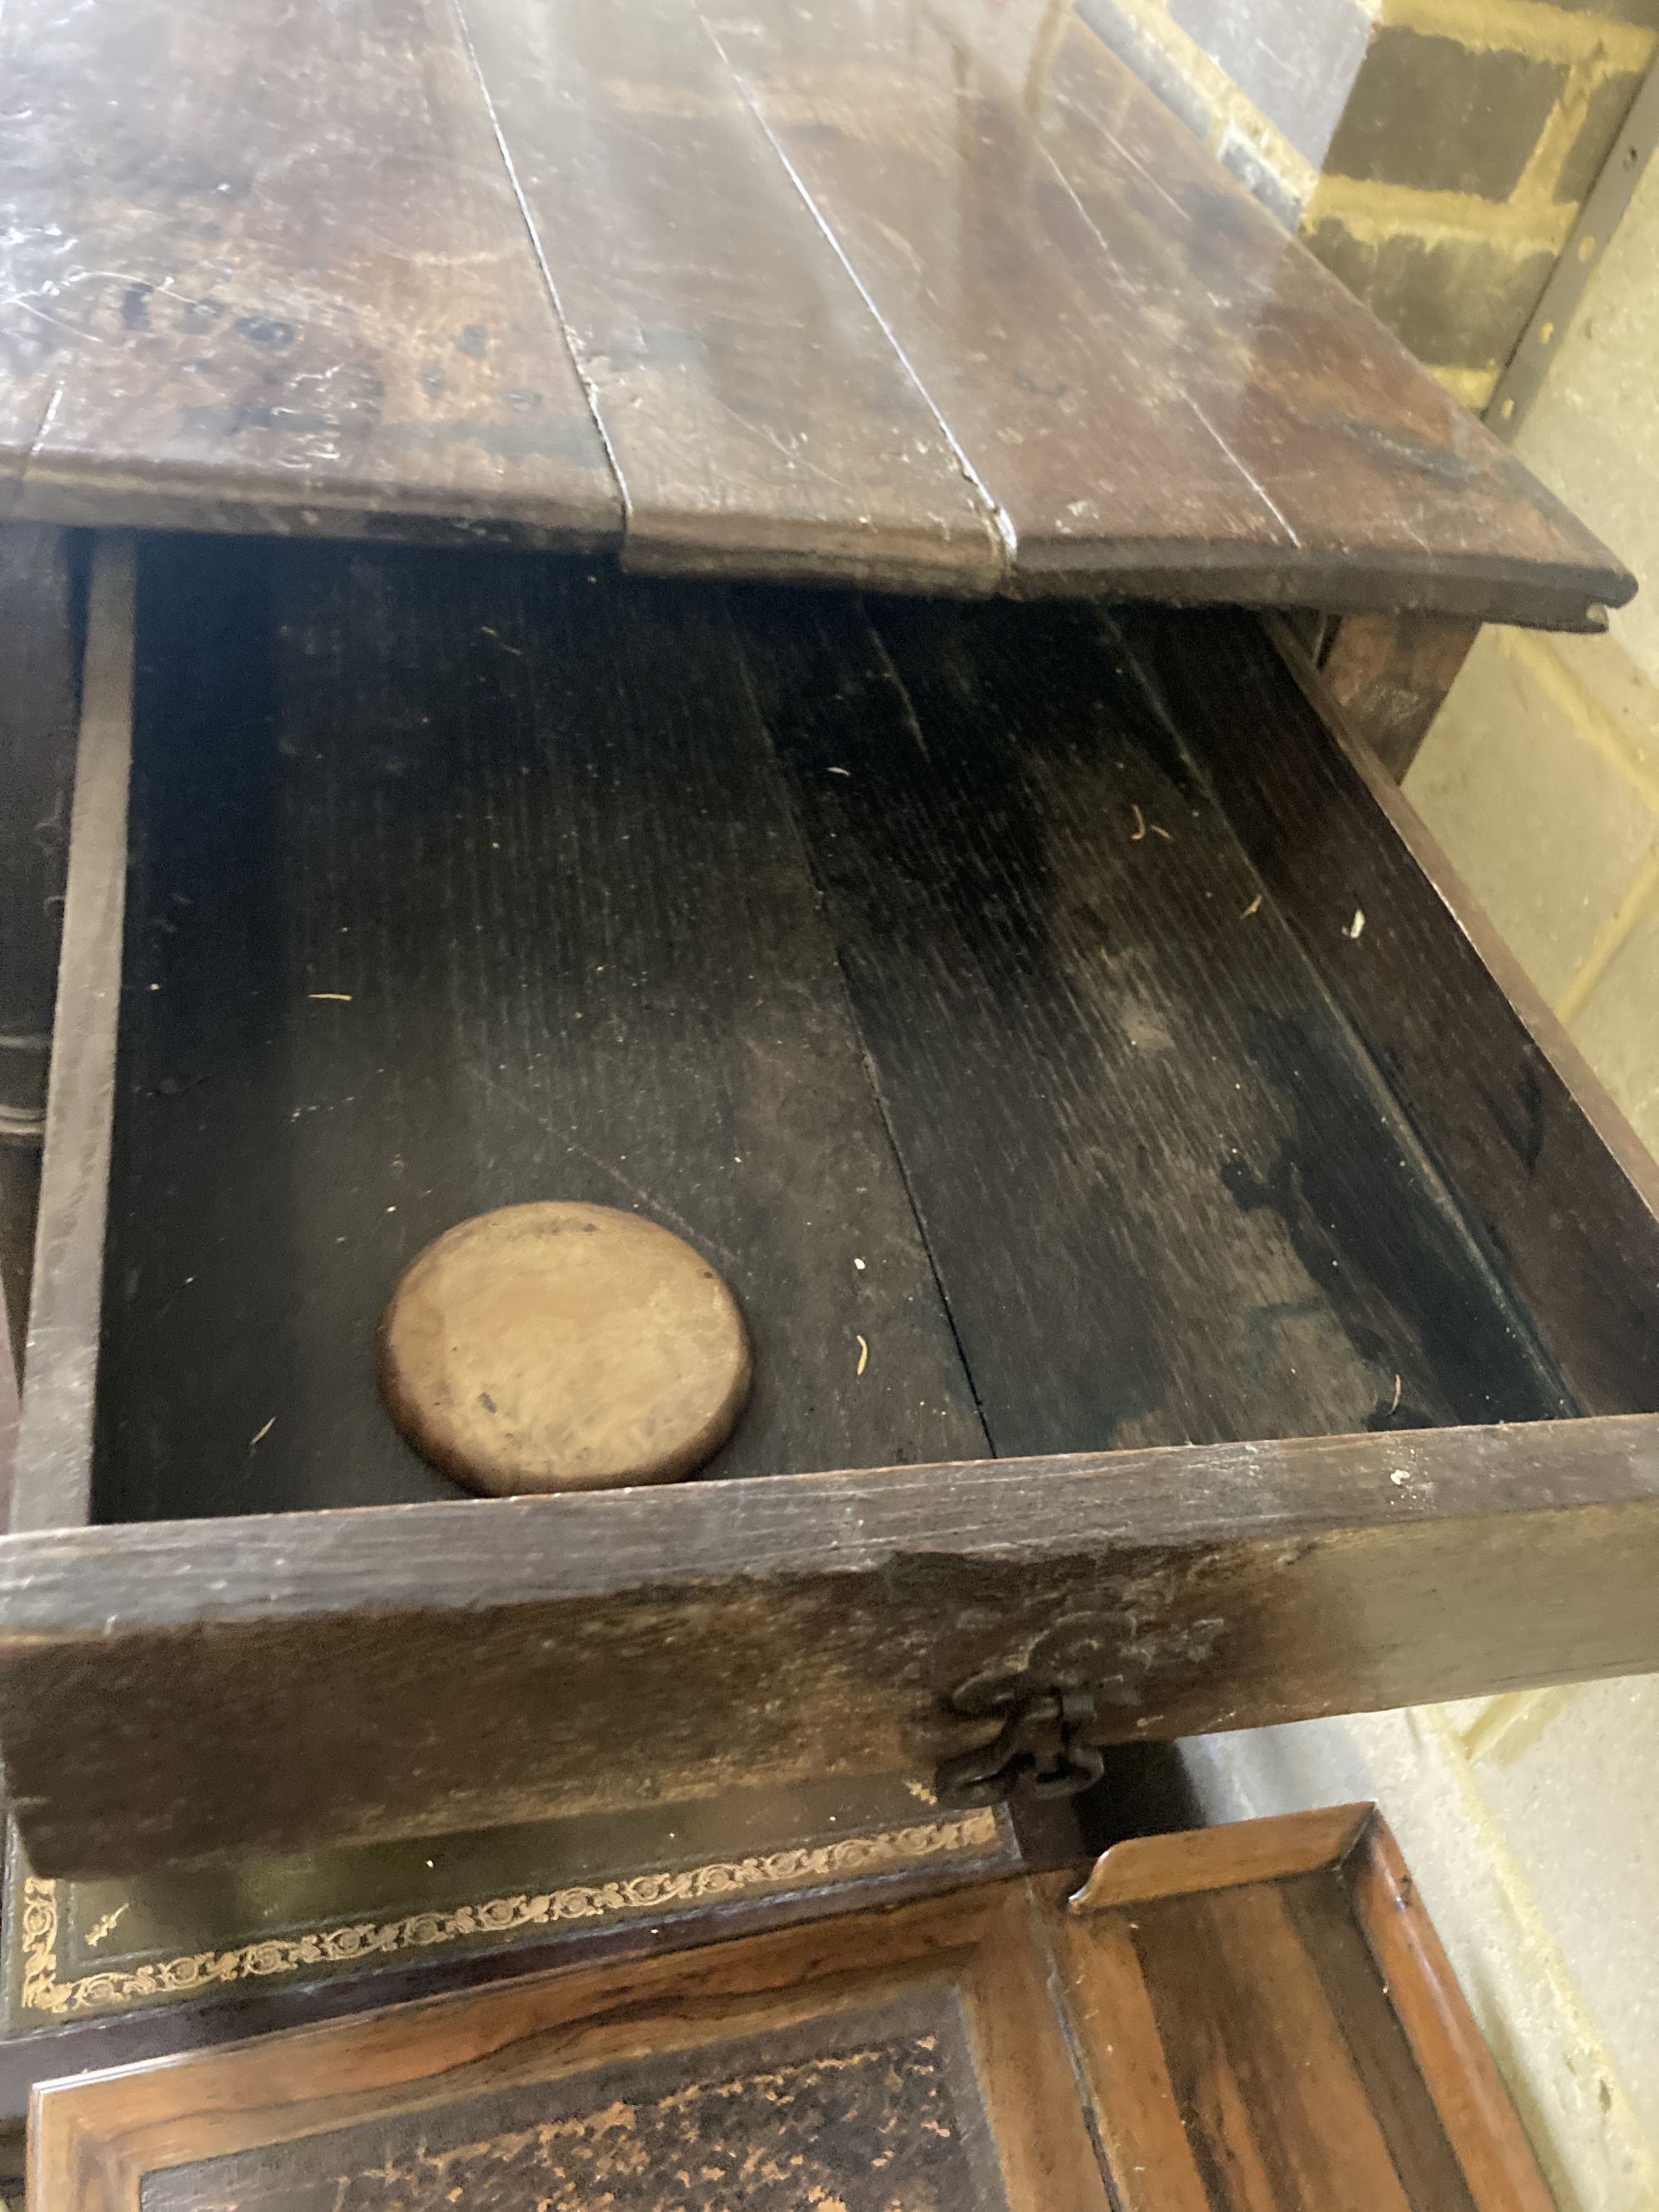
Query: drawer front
{"points": [[177, 1690]]}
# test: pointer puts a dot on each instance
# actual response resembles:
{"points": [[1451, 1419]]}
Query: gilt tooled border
{"points": [[44, 1990]]}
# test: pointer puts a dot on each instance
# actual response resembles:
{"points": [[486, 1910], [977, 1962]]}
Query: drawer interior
{"points": [[899, 954]]}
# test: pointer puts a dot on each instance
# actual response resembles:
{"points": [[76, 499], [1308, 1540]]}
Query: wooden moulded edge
{"points": [[1428, 2001], [1143, 1867]]}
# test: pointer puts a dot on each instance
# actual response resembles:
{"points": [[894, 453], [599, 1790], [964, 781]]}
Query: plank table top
{"points": [[919, 294]]}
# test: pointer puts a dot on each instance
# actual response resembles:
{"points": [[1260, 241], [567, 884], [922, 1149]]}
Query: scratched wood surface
{"points": [[901, 956], [1097, 1040], [266, 269], [1257, 2046], [758, 416], [1070, 277], [931, 294], [461, 882]]}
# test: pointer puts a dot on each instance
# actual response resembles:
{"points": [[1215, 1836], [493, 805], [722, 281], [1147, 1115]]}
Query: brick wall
{"points": [[1433, 152]]}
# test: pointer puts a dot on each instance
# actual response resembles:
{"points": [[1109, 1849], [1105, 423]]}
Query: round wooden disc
{"points": [[562, 1347]]}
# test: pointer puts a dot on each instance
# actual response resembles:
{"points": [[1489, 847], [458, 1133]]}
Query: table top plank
{"points": [[930, 295], [1165, 395], [265, 268], [1314, 401], [759, 418]]}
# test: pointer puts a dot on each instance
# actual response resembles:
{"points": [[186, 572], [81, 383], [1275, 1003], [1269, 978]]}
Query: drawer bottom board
{"points": [[896, 953]]}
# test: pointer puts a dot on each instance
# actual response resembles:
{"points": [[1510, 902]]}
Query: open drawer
{"points": [[1216, 1300]]}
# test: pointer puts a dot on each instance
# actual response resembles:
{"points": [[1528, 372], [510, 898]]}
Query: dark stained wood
{"points": [[1146, 1866], [19, 1192], [936, 295], [1365, 462], [913, 2056], [1095, 1041], [40, 678], [875, 2106], [1433, 2013], [9, 1403], [1550, 1175], [461, 882], [267, 1682], [51, 1480], [1390, 675], [759, 419], [1161, 393], [264, 274], [458, 884]]}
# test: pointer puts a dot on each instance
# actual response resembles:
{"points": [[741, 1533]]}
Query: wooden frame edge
{"points": [[1452, 2054], [1192, 1860]]}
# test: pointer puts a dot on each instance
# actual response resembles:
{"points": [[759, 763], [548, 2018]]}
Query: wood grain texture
{"points": [[1390, 675], [558, 1347], [1230, 2051], [1124, 2071], [1551, 1178], [1068, 276], [51, 1483], [462, 881], [1095, 1041], [1316, 406], [266, 269], [1008, 1998], [458, 883], [1146, 1866], [1473, 2105], [1240, 2006], [1399, 2088], [759, 418], [40, 684], [937, 295], [914, 2049], [417, 1669], [1282, 2044]]}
